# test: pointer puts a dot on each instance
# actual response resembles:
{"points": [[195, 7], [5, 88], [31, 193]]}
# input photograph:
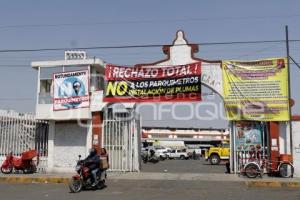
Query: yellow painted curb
{"points": [[272, 184], [34, 180]]}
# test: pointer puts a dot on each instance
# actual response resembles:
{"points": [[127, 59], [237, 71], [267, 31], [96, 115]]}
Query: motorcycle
{"points": [[153, 159], [24, 163], [83, 178]]}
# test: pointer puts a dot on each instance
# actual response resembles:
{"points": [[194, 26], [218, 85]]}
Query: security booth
{"points": [[66, 94], [70, 99]]}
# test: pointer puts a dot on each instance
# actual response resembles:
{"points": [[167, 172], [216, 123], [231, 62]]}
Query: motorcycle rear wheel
{"points": [[6, 170], [75, 185], [101, 184]]}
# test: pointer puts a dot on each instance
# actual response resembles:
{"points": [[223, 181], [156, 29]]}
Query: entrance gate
{"points": [[121, 138]]}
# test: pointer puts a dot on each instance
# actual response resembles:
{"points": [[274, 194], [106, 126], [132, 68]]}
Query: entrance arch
{"points": [[183, 53]]}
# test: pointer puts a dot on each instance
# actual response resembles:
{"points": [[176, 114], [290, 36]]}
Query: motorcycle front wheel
{"points": [[75, 185], [6, 170]]}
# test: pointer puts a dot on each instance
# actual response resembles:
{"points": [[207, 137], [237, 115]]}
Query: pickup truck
{"points": [[176, 153]]}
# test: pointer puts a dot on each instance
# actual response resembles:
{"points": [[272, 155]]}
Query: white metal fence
{"points": [[121, 138], [21, 132]]}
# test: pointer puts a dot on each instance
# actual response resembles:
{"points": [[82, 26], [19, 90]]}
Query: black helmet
{"points": [[93, 151]]}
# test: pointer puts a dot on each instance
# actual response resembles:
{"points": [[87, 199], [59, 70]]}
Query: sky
{"points": [[34, 24]]}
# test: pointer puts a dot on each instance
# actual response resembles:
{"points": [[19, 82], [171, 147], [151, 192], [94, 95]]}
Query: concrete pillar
{"points": [[283, 137], [51, 138], [89, 136], [288, 141], [232, 158], [274, 143], [97, 124]]}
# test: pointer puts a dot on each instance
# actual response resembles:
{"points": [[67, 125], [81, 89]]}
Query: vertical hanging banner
{"points": [[71, 90], [153, 83], [256, 90]]}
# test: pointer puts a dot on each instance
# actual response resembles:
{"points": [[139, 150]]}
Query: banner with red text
{"points": [[153, 83]]}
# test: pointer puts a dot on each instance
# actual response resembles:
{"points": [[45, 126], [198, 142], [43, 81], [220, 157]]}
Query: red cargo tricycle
{"points": [[23, 163]]}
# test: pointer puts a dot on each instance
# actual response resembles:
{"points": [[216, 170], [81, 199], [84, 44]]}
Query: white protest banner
{"points": [[71, 90]]}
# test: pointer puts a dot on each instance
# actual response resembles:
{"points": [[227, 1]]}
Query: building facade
{"points": [[71, 130]]}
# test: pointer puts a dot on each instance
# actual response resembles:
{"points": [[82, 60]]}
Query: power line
{"points": [[120, 53], [143, 46], [29, 67], [257, 51]]}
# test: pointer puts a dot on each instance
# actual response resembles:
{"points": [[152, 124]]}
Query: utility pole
{"points": [[289, 87]]}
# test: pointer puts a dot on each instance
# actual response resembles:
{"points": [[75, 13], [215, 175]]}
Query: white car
{"points": [[161, 153], [177, 153]]}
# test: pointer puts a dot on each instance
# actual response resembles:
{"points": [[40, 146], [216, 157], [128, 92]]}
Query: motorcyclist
{"points": [[93, 163], [152, 153]]}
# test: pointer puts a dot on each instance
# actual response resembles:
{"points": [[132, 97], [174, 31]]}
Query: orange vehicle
{"points": [[23, 163]]}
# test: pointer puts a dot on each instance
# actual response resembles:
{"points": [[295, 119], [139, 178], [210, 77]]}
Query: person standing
{"points": [[227, 167], [194, 155]]}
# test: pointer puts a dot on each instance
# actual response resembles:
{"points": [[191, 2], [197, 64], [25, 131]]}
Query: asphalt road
{"points": [[183, 166], [144, 190]]}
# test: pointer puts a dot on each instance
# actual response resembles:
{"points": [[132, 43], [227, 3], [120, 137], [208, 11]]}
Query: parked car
{"points": [[177, 153], [160, 152]]}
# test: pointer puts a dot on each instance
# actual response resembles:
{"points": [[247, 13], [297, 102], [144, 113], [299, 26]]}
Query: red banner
{"points": [[153, 83]]}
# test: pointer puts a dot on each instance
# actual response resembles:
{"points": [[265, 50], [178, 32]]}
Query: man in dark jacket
{"points": [[194, 155], [93, 163]]}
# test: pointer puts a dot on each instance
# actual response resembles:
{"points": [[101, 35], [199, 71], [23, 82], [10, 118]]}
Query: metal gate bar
{"points": [[121, 137]]}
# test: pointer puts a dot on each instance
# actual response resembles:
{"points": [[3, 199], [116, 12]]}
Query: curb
{"points": [[272, 184], [65, 180], [34, 180]]}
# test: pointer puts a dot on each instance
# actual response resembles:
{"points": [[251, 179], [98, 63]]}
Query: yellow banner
{"points": [[256, 90]]}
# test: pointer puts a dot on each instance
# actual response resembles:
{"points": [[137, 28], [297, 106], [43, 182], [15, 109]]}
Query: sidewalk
{"points": [[64, 178]]}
